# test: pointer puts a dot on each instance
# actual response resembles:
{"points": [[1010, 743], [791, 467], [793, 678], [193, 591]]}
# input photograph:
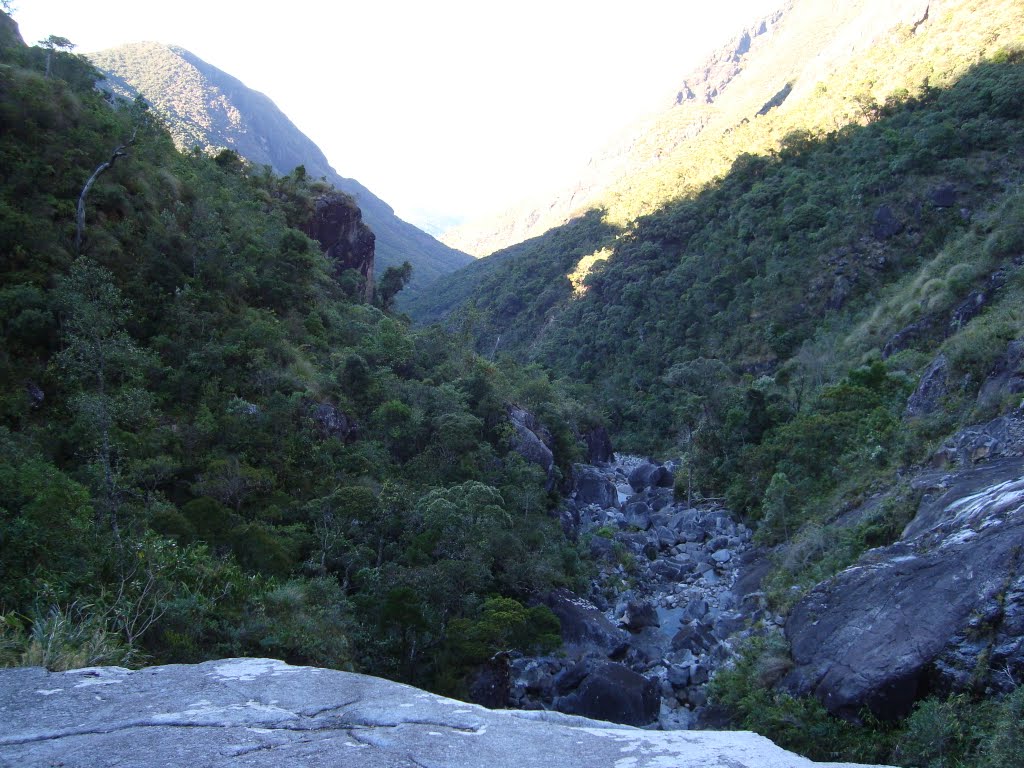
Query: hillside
{"points": [[206, 107], [775, 63], [211, 445]]}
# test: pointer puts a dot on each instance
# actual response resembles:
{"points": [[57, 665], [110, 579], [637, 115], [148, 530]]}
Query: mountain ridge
{"points": [[207, 107]]}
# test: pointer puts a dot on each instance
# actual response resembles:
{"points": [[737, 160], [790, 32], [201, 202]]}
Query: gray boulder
{"points": [[613, 693], [262, 713], [905, 618], [585, 629], [532, 441], [590, 486], [885, 224], [650, 475], [640, 614]]}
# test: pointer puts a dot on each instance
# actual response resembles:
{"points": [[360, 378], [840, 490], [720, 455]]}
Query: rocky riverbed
{"points": [[677, 585]]}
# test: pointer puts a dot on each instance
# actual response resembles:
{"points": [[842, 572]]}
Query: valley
{"points": [[728, 436]]}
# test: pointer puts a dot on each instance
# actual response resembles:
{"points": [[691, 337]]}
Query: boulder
{"points": [[943, 196], [904, 619], [640, 614], [591, 486], [613, 693], [584, 627], [648, 475], [262, 713], [1006, 377], [333, 422], [885, 223], [696, 638]]}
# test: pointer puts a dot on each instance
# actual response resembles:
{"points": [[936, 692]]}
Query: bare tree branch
{"points": [[120, 151]]}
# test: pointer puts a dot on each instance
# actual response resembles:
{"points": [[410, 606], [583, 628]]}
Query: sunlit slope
{"points": [[812, 65]]}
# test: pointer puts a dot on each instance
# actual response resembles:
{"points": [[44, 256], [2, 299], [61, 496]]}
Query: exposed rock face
{"points": [[599, 446], [335, 423], [931, 389], [940, 610], [261, 713], [885, 223], [532, 441], [1006, 378], [337, 224]]}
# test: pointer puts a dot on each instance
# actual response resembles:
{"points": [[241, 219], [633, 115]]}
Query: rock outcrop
{"points": [[532, 441], [261, 712], [942, 609], [337, 224]]}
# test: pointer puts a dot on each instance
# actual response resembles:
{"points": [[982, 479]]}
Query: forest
{"points": [[213, 447]]}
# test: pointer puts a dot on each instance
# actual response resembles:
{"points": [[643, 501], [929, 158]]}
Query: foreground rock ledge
{"points": [[261, 712]]}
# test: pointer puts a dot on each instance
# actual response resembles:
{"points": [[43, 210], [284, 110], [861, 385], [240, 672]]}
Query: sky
{"points": [[446, 109]]}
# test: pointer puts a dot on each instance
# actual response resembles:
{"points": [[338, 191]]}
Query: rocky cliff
{"points": [[337, 224], [261, 712]]}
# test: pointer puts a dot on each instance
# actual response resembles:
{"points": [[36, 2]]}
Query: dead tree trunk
{"points": [[103, 168]]}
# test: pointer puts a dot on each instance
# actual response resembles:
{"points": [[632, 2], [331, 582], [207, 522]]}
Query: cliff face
{"points": [[337, 224]]}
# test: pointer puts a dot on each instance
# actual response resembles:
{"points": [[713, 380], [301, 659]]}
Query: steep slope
{"points": [[211, 444], [775, 63], [209, 108]]}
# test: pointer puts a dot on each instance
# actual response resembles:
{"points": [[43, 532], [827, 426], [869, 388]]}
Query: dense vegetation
{"points": [[768, 325], [209, 448]]}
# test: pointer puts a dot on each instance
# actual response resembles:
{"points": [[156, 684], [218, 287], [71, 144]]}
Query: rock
{"points": [[943, 196], [908, 336], [638, 515], [592, 487], [696, 638], [337, 224], [901, 620], [599, 446], [930, 390], [650, 475], [679, 677], [262, 713], [335, 423], [968, 309], [1006, 377], [532, 441], [721, 556], [640, 614], [613, 693], [584, 627], [885, 224]]}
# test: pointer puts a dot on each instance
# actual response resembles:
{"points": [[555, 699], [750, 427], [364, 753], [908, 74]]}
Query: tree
{"points": [[55, 43], [392, 282]]}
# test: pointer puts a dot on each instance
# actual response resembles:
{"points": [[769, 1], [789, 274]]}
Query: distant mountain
{"points": [[774, 63], [206, 107]]}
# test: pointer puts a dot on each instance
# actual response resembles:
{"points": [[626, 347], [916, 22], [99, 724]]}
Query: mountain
{"points": [[777, 60], [206, 107]]}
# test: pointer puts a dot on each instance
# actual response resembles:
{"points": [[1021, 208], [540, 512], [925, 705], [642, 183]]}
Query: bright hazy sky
{"points": [[443, 108]]}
